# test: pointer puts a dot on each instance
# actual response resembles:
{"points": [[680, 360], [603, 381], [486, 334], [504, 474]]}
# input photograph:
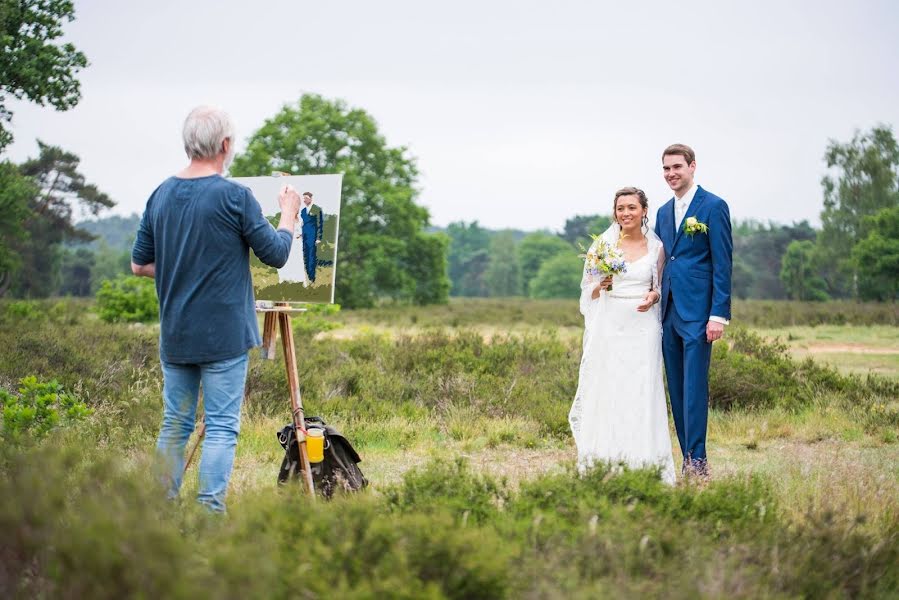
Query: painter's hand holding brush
{"points": [[289, 201]]}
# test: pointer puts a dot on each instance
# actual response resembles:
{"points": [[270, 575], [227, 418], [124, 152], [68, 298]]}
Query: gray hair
{"points": [[205, 129]]}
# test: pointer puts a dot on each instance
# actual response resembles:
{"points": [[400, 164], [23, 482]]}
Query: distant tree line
{"points": [[855, 253]]}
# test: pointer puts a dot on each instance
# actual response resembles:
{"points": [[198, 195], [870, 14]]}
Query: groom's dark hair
{"points": [[680, 150]]}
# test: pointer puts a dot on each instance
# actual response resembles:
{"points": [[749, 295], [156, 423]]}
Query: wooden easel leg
{"points": [[296, 401], [268, 336], [200, 434]]}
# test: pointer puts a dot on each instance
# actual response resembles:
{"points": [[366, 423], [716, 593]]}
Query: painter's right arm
{"points": [[270, 245]]}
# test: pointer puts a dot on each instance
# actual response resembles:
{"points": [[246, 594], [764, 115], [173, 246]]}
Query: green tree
{"points": [[16, 191], [863, 181], [798, 273], [503, 274], [109, 263], [33, 65], [428, 269], [61, 188], [579, 228], [384, 249], [75, 271], [559, 277], [538, 247], [758, 252], [877, 257], [469, 257]]}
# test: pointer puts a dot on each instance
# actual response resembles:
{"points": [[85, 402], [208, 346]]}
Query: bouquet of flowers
{"points": [[604, 260]]}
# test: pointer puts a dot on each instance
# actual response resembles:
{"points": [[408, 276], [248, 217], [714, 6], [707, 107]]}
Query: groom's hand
{"points": [[714, 331]]}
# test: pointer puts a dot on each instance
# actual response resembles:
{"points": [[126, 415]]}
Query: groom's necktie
{"points": [[680, 207]]}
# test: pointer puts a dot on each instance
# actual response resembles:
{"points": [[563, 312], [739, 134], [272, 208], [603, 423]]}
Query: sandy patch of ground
{"points": [[848, 348]]}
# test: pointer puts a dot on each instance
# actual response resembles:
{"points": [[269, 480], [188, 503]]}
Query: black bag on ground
{"points": [[338, 470]]}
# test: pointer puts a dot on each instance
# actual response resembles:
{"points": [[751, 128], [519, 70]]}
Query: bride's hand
{"points": [[649, 299], [601, 286]]}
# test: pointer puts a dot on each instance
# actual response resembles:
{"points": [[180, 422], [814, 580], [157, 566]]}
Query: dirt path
{"points": [[847, 348]]}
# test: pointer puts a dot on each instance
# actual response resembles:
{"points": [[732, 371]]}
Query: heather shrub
{"points": [[750, 372], [128, 299], [36, 409]]}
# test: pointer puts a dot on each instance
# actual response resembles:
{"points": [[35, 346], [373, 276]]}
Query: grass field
{"points": [[851, 349], [804, 500]]}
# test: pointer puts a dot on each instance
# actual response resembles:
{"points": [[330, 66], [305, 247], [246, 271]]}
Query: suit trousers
{"points": [[310, 254], [687, 355]]}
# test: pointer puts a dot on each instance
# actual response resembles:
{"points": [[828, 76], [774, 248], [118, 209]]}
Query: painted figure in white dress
{"points": [[294, 270]]}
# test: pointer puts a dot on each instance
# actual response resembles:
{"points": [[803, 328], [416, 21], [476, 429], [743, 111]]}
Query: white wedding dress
{"points": [[619, 412], [294, 270]]}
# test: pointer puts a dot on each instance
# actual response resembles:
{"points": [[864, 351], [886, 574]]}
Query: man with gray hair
{"points": [[194, 240]]}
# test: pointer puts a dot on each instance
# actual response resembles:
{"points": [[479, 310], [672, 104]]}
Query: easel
{"points": [[280, 312]]}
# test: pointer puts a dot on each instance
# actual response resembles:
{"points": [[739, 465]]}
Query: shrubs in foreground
{"points": [[85, 526]]}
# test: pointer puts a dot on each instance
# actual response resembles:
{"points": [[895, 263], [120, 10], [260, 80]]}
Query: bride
{"points": [[294, 270], [619, 412]]}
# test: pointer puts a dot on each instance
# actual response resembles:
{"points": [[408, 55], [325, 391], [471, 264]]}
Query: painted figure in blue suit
{"points": [[313, 226], [696, 286]]}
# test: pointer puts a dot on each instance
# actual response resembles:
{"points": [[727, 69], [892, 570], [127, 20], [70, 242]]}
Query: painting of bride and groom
{"points": [[664, 304], [310, 270]]}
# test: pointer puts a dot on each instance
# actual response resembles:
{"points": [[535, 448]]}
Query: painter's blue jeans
{"points": [[223, 390]]}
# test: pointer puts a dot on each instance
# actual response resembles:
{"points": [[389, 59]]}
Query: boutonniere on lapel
{"points": [[692, 226]]}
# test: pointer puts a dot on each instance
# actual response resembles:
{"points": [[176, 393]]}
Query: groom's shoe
{"points": [[697, 468]]}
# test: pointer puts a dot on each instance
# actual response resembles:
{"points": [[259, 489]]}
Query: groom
{"points": [[313, 226], [695, 228]]}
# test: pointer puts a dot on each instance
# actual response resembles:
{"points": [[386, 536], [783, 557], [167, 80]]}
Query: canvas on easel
{"points": [[311, 270]]}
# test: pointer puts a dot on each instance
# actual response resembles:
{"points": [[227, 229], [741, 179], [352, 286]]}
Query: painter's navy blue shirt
{"points": [[199, 233]]}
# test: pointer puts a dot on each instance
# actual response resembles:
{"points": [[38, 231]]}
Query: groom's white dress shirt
{"points": [[681, 206]]}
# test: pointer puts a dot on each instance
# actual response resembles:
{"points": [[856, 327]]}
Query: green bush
{"points": [[753, 373], [24, 310], [315, 320], [750, 372], [445, 485], [38, 408], [128, 299]]}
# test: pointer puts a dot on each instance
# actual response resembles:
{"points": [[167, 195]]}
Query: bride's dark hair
{"points": [[631, 191]]}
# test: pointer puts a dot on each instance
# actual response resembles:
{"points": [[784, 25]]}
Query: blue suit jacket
{"points": [[313, 222], [697, 270]]}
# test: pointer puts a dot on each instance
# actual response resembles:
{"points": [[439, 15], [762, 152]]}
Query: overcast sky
{"points": [[519, 114]]}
